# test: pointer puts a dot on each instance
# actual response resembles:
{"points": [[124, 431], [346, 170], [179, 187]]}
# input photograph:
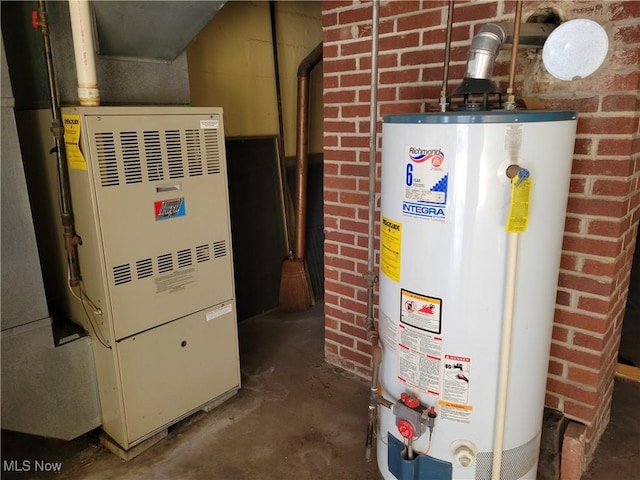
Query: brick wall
{"points": [[603, 210]]}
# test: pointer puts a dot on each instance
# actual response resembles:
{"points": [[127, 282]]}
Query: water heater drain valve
{"points": [[411, 417]]}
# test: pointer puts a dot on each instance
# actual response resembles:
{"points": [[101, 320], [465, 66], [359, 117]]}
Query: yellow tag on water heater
{"points": [[519, 208]]}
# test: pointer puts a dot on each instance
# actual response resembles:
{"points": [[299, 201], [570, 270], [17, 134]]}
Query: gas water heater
{"points": [[448, 204], [149, 189]]}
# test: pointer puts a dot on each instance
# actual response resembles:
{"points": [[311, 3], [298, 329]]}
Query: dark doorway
{"points": [[629, 353], [257, 223]]}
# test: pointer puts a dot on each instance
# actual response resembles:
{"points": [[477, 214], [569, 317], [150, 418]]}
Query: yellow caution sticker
{"points": [[75, 158], [519, 208], [390, 240]]}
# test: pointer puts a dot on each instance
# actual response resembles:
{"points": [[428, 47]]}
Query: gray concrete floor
{"points": [[295, 418]]}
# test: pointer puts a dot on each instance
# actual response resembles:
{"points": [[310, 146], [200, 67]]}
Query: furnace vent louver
{"points": [[184, 258], [219, 249], [107, 160], [153, 154], [144, 268], [122, 274], [131, 157], [202, 253]]}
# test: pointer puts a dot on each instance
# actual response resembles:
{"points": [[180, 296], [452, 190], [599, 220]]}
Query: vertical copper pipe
{"points": [[302, 142], [514, 55], [447, 54]]}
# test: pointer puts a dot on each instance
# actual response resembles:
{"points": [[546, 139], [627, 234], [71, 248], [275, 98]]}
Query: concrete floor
{"points": [[294, 418]]}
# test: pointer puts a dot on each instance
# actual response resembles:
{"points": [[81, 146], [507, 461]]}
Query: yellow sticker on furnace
{"points": [[75, 158], [390, 240]]}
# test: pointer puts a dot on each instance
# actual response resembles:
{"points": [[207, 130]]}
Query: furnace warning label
{"points": [[426, 183], [175, 282], [421, 311], [456, 382], [390, 241], [419, 359], [72, 141]]}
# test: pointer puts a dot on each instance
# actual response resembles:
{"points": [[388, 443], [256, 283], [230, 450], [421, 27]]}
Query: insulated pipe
{"points": [[71, 240], [81, 28], [302, 141], [447, 52]]}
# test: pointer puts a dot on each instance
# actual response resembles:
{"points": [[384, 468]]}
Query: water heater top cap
{"points": [[575, 49]]}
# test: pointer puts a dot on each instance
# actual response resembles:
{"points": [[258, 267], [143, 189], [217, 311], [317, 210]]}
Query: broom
{"points": [[294, 295]]}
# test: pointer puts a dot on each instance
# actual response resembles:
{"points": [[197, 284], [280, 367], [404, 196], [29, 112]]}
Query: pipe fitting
{"points": [[484, 50]]}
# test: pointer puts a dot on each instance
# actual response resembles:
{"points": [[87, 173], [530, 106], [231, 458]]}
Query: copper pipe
{"points": [[447, 53], [302, 142], [514, 54]]}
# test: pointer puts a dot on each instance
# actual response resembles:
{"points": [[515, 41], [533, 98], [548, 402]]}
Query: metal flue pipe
{"points": [[302, 142], [71, 240], [510, 104]]}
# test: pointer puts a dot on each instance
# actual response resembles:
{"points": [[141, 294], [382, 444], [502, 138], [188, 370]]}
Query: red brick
{"points": [[339, 338], [577, 185], [626, 56], [355, 15], [355, 79], [560, 334], [339, 127], [389, 60], [628, 34], [340, 183], [396, 108], [581, 104], [624, 9], [584, 284], [355, 48], [578, 357], [329, 20], [398, 7], [583, 146], [572, 391], [605, 248], [420, 21], [552, 401], [603, 166], [355, 141], [339, 237], [597, 206], [355, 356], [339, 65], [343, 211], [395, 42], [581, 320], [572, 224], [599, 268], [614, 146], [353, 331], [607, 125], [470, 12], [335, 4], [339, 155], [594, 305], [336, 34], [563, 298], [613, 188], [556, 368], [578, 411], [354, 198], [605, 228], [588, 341], [568, 262], [573, 451]]}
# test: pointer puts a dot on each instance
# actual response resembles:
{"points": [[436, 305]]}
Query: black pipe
{"points": [[71, 240]]}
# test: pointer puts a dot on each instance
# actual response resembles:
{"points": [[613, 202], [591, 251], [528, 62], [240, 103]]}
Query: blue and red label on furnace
{"points": [[171, 208]]}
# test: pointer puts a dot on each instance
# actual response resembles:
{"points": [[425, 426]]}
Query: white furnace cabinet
{"points": [[149, 193]]}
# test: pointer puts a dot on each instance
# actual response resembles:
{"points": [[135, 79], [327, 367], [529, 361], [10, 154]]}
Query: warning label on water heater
{"points": [[419, 359], [426, 183], [456, 381], [421, 311], [390, 242]]}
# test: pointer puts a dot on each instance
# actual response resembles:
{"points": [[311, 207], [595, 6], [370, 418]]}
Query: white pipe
{"points": [[81, 27], [505, 353]]}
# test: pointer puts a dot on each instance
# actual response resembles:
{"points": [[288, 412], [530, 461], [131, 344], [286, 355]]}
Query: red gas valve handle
{"points": [[406, 429]]}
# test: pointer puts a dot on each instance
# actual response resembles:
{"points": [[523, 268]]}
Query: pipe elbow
{"points": [[484, 50]]}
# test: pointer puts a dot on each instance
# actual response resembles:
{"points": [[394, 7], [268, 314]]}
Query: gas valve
{"points": [[411, 416]]}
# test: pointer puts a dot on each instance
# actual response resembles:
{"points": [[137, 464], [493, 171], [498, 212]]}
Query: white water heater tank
{"points": [[446, 200]]}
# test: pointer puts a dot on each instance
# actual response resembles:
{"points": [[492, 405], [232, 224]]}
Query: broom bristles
{"points": [[294, 288]]}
